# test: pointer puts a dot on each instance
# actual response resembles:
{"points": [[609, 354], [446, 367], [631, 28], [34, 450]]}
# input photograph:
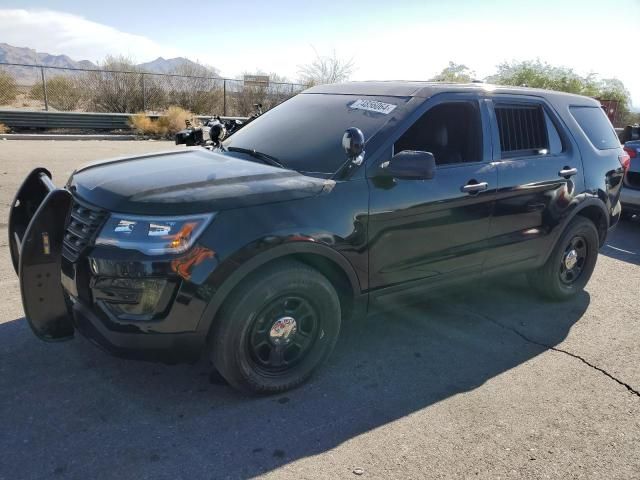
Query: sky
{"points": [[386, 39]]}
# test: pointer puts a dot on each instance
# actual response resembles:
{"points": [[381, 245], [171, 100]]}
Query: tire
{"points": [[554, 280], [276, 328]]}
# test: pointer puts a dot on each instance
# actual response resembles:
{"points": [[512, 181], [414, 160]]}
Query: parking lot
{"points": [[485, 381]]}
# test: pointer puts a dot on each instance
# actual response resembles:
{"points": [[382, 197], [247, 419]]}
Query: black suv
{"points": [[342, 197]]}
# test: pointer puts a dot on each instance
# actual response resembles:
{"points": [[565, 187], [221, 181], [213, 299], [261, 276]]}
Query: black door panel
{"points": [[534, 191], [530, 202], [426, 228]]}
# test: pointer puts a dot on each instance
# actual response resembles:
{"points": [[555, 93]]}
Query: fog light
{"points": [[129, 297]]}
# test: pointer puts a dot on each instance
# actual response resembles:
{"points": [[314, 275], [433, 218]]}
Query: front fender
{"points": [[231, 272]]}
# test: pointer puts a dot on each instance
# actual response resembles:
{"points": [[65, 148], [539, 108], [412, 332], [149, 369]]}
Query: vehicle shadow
{"points": [[624, 242], [70, 409]]}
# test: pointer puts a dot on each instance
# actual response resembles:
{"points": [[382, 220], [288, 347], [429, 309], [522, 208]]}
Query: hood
{"points": [[188, 181]]}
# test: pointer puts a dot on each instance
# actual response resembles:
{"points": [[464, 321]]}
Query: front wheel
{"points": [[277, 327], [570, 265]]}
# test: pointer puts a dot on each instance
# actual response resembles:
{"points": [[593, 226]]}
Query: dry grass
{"points": [[4, 128], [144, 125], [174, 119], [171, 122]]}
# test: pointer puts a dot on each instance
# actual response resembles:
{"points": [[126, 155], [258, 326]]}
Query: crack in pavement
{"points": [[555, 349]]}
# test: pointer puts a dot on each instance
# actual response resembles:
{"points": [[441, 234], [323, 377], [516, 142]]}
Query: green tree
{"points": [[454, 73], [537, 74]]}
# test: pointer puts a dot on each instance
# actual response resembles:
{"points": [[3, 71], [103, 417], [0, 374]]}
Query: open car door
{"points": [[36, 231]]}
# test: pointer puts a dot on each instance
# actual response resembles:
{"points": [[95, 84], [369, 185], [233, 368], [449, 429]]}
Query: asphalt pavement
{"points": [[483, 381]]}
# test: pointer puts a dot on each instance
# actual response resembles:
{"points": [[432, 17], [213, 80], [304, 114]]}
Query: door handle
{"points": [[474, 187], [567, 172]]}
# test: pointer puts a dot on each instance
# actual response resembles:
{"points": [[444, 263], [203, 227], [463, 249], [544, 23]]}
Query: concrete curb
{"points": [[45, 136]]}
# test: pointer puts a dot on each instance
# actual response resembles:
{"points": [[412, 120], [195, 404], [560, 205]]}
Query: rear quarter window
{"points": [[596, 126]]}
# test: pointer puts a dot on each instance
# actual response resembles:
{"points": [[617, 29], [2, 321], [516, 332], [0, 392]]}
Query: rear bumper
{"points": [[630, 199]]}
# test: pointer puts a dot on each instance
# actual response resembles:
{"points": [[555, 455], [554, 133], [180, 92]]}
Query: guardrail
{"points": [[22, 119]]}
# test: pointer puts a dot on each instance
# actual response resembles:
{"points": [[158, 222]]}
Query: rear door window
{"points": [[522, 129], [596, 126], [526, 130]]}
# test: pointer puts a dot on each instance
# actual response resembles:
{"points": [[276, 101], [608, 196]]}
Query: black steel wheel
{"points": [[283, 333], [571, 263], [276, 328], [573, 260]]}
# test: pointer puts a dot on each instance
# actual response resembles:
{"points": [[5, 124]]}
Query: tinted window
{"points": [[596, 126], [451, 131], [305, 132], [522, 128], [555, 142]]}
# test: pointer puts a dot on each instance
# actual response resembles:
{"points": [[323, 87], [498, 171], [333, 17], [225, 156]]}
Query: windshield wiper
{"points": [[268, 159]]}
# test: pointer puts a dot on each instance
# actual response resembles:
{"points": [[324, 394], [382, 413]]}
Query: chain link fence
{"points": [[37, 87]]}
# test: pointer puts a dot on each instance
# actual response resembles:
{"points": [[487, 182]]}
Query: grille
{"points": [[84, 222], [633, 179]]}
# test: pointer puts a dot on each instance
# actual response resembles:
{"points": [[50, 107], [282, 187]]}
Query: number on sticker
{"points": [[373, 106]]}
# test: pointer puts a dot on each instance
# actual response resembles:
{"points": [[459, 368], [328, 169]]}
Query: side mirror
{"points": [[412, 165], [353, 144]]}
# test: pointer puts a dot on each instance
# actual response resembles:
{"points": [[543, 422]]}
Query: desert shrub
{"points": [[202, 102], [63, 92], [8, 88], [168, 124], [4, 128], [174, 119], [144, 125], [156, 96], [195, 88], [246, 98], [116, 88]]}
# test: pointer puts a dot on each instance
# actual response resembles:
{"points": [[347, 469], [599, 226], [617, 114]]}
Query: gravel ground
{"points": [[485, 381]]}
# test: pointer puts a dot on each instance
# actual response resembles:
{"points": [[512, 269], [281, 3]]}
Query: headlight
{"points": [[153, 235]]}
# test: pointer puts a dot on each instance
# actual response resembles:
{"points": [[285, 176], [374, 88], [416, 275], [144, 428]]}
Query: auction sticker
{"points": [[373, 106]]}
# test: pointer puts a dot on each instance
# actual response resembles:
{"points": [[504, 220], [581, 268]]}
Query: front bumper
{"points": [[163, 347], [169, 332], [87, 288]]}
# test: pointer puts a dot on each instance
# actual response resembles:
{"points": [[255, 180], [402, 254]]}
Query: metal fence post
{"points": [[144, 95], [44, 89], [224, 98]]}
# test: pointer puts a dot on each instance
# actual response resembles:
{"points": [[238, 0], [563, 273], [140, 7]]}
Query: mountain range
{"points": [[28, 56]]}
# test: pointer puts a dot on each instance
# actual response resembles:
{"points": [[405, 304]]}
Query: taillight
{"points": [[625, 160], [633, 153]]}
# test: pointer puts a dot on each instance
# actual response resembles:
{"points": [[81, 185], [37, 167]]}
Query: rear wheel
{"points": [[571, 263], [276, 328]]}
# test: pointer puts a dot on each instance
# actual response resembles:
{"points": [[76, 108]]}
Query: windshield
{"points": [[305, 132]]}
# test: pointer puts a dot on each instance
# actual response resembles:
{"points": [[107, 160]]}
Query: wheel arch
{"points": [[597, 213], [592, 208], [326, 260]]}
